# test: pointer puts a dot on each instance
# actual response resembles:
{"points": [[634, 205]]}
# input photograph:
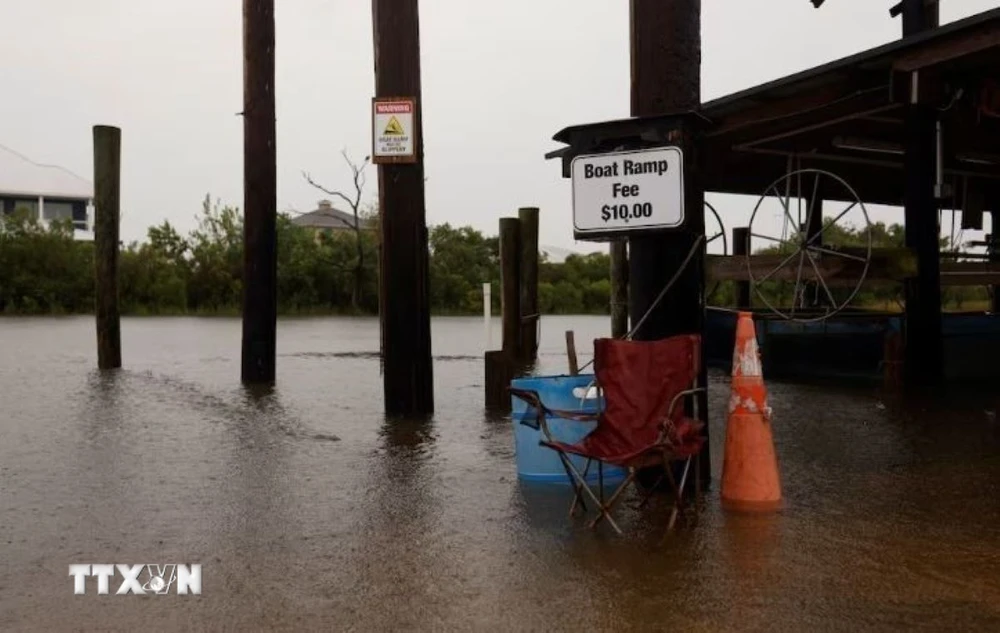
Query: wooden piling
{"points": [[814, 233], [107, 197], [510, 291], [260, 262], [528, 347], [574, 365], [665, 40], [499, 372], [405, 275], [619, 288], [741, 246]]}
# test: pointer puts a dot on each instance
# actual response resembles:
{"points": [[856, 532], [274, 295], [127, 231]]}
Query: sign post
{"points": [[631, 191], [393, 130]]}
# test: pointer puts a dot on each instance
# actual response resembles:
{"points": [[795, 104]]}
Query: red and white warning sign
{"points": [[393, 132]]}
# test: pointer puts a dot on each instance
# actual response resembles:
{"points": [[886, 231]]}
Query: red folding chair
{"points": [[641, 425]]}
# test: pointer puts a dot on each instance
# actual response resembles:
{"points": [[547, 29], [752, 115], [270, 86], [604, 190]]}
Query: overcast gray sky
{"points": [[499, 79]]}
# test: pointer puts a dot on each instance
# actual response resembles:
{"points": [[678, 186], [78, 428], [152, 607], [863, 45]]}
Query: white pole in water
{"points": [[487, 315]]}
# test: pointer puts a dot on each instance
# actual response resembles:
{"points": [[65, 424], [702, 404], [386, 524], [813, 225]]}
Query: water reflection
{"points": [[399, 560], [311, 511]]}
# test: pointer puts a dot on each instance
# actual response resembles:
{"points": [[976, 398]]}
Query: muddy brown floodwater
{"points": [[309, 512]]}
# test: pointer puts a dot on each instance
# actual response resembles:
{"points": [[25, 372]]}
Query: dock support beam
{"points": [[619, 288], [260, 253], [528, 217], [924, 354], [107, 188], [405, 277], [666, 78]]}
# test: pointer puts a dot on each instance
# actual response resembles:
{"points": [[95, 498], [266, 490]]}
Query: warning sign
{"points": [[393, 131], [394, 128]]}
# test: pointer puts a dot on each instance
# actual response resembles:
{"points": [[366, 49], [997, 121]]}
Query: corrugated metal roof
{"points": [[21, 176]]}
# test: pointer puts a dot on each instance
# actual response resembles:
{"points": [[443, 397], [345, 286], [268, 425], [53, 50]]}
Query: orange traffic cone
{"points": [[750, 478]]}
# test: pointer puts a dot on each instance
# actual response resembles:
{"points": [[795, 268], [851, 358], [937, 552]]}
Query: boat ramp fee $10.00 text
{"points": [[628, 191]]}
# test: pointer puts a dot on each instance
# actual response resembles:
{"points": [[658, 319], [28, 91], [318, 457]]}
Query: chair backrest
{"points": [[639, 379]]}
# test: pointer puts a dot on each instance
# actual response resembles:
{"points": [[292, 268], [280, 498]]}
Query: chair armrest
{"points": [[542, 411]]}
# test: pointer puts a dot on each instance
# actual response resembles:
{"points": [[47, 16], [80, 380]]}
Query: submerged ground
{"points": [[308, 511]]}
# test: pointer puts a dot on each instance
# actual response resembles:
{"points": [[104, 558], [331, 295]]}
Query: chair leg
{"points": [[678, 493], [578, 497], [605, 509]]}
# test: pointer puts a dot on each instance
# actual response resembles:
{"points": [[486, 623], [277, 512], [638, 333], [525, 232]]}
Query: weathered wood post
{"points": [[107, 200], [398, 152], [574, 364], [619, 288], [510, 291], [499, 373], [528, 347], [666, 78], [814, 233], [260, 262], [741, 245]]}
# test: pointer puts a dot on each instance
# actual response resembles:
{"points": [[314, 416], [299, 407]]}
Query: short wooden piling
{"points": [[528, 347], [741, 246], [574, 365], [510, 291], [499, 373], [619, 288], [107, 188], [892, 361]]}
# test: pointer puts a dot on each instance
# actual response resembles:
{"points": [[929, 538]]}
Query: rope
{"points": [[659, 297]]}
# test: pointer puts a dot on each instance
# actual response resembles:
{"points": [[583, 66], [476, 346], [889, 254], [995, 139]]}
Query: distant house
{"points": [[326, 219], [48, 192]]}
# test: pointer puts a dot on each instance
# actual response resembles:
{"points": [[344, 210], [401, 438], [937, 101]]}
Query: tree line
{"points": [[44, 270]]}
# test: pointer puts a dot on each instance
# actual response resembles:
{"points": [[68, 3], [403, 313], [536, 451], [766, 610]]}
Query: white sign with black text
{"points": [[628, 191]]}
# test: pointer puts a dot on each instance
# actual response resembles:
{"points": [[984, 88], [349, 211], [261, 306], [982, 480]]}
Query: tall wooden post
{"points": [[619, 288], [405, 277], [260, 263], [528, 217], [924, 355], [666, 78], [814, 231], [510, 293], [741, 246], [107, 189]]}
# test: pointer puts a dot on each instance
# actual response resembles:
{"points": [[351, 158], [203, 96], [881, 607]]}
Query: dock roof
{"points": [[848, 116]]}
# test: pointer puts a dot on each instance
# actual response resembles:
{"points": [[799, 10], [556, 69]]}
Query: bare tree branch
{"points": [[329, 192], [359, 180]]}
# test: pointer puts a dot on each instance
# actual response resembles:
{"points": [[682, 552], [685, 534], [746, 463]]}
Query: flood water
{"points": [[309, 512]]}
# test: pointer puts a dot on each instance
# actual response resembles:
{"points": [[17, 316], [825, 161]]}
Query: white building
{"points": [[47, 191]]}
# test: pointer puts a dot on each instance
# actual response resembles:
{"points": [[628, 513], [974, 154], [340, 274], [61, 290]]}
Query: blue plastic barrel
{"points": [[568, 393]]}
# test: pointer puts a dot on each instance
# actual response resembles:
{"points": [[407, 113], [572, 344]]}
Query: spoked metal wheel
{"points": [[816, 270], [715, 232]]}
